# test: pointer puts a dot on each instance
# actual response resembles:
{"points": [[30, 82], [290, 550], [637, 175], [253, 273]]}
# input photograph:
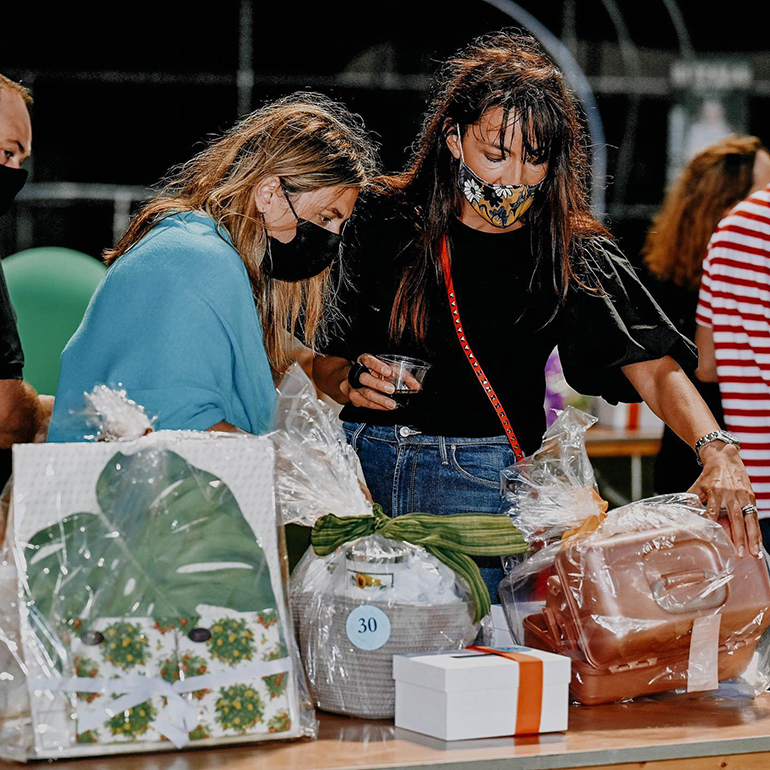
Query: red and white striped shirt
{"points": [[735, 302]]}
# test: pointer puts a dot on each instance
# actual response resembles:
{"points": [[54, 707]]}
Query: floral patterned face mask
{"points": [[500, 204]]}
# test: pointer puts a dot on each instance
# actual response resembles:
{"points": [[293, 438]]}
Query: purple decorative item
{"points": [[554, 387]]}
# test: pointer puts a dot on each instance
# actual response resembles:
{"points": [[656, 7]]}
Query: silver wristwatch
{"points": [[716, 435]]}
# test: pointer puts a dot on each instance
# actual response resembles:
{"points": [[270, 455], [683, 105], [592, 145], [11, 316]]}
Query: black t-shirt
{"points": [[512, 321], [11, 357]]}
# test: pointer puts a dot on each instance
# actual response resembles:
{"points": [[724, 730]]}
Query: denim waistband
{"points": [[404, 434]]}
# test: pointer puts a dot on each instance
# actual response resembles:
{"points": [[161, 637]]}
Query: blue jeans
{"points": [[409, 472]]}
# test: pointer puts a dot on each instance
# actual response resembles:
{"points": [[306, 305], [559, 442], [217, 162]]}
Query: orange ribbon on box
{"points": [[530, 703]]}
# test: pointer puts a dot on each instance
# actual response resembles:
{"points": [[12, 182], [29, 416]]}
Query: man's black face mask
{"points": [[11, 182]]}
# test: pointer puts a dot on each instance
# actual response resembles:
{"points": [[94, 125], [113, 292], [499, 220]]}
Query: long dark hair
{"points": [[505, 69]]}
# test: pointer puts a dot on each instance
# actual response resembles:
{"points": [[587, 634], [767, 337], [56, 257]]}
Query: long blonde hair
{"points": [[307, 140], [712, 182]]}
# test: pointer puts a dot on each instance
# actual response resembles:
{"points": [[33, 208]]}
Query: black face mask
{"points": [[308, 253], [11, 181]]}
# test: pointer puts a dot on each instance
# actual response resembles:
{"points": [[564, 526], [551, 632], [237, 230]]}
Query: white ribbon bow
{"points": [[180, 717]]}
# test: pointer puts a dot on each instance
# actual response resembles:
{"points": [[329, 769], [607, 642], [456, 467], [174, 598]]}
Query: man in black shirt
{"points": [[21, 412]]}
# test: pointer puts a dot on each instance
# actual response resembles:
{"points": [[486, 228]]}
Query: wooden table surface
{"points": [[659, 735], [602, 441]]}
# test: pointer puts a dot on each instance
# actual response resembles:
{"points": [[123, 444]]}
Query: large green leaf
{"points": [[159, 516]]}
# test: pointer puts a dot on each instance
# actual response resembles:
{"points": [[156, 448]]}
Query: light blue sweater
{"points": [[174, 323]]}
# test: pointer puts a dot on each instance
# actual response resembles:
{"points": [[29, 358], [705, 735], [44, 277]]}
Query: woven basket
{"points": [[346, 680]]}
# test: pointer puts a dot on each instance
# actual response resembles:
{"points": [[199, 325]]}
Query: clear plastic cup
{"points": [[406, 374]]}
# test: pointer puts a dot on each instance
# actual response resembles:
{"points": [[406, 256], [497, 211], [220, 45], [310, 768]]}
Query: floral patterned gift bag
{"points": [[247, 664], [113, 652], [166, 553]]}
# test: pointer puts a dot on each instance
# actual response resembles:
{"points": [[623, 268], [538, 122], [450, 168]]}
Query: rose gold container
{"points": [[623, 608]]}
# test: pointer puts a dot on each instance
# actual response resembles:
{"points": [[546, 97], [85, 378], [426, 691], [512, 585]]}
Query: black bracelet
{"points": [[354, 374]]}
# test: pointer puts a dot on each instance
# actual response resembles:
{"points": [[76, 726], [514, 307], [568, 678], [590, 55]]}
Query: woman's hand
{"points": [[724, 487], [375, 385], [330, 374]]}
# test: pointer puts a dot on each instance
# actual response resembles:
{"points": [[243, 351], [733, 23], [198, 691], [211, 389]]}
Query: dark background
{"points": [[124, 92], [119, 102]]}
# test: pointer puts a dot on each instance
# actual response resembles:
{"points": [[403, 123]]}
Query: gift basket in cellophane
{"points": [[649, 598], [370, 587], [143, 602]]}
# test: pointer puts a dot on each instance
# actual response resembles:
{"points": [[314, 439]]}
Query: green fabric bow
{"points": [[451, 539]]}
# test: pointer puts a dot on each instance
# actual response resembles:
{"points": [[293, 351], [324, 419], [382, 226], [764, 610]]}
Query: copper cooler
{"points": [[623, 609]]}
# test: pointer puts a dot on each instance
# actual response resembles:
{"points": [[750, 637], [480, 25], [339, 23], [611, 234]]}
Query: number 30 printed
{"points": [[367, 625]]}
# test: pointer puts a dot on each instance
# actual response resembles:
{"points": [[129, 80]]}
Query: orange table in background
{"points": [[602, 441]]}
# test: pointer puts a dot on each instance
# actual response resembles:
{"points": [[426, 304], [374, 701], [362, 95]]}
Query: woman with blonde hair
{"points": [[714, 181], [220, 270]]}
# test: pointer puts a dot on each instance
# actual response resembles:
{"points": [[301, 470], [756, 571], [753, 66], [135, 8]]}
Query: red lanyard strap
{"points": [[472, 360]]}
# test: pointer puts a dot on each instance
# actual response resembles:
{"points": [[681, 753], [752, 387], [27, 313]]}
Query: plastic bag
{"points": [[153, 606], [649, 598], [114, 416], [371, 598], [16, 739], [317, 470], [552, 490], [547, 494], [367, 601], [656, 599]]}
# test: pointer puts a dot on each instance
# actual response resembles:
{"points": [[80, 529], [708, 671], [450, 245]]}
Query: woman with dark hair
{"points": [[709, 186], [481, 257]]}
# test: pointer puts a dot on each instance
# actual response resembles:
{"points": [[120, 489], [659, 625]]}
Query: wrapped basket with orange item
{"points": [[648, 598]]}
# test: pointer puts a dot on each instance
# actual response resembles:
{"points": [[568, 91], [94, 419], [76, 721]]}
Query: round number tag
{"points": [[368, 627]]}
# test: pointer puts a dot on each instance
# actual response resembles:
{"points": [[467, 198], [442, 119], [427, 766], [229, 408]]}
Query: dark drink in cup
{"points": [[407, 375], [403, 397]]}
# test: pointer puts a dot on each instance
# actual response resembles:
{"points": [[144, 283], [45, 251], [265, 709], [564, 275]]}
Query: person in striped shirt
{"points": [[733, 334]]}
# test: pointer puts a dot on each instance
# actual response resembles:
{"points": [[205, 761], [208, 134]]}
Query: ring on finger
{"points": [[748, 509], [355, 372]]}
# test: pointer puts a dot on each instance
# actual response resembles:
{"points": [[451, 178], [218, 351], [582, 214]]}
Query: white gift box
{"points": [[472, 694]]}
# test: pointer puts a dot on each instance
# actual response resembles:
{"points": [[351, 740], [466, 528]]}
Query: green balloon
{"points": [[50, 290]]}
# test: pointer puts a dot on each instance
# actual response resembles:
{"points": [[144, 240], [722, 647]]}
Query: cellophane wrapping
{"points": [[371, 598], [317, 470], [144, 599], [649, 598], [547, 494]]}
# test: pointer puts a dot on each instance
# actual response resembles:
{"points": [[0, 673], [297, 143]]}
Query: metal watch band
{"points": [[715, 435]]}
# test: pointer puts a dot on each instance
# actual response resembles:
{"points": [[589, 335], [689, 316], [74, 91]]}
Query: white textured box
{"points": [[470, 694], [53, 481]]}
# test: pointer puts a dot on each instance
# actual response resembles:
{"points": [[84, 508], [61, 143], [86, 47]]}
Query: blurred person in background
{"points": [[714, 181], [218, 272], [733, 334], [480, 258], [23, 416]]}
